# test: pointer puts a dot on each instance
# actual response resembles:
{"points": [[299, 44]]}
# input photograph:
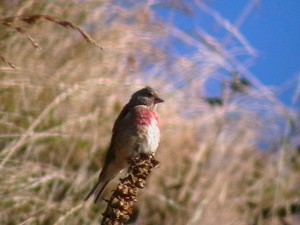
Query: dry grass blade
{"points": [[73, 210], [7, 62], [22, 31], [32, 19], [16, 145]]}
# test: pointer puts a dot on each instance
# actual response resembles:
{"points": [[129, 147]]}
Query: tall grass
{"points": [[58, 105]]}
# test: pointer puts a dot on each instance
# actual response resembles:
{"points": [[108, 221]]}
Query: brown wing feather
{"points": [[109, 157], [121, 116]]}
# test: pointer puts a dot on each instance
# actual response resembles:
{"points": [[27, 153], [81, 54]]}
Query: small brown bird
{"points": [[135, 131]]}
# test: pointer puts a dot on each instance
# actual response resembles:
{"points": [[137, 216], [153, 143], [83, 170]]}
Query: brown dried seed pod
{"points": [[124, 191], [120, 206], [142, 176], [141, 183], [124, 217], [154, 163], [133, 191], [129, 178], [116, 213]]}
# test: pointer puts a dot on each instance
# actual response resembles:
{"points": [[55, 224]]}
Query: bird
{"points": [[135, 132]]}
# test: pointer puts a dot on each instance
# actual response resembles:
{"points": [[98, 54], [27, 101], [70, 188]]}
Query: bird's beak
{"points": [[158, 100]]}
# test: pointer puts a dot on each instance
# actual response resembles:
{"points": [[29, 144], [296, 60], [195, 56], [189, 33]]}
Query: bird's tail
{"points": [[97, 190]]}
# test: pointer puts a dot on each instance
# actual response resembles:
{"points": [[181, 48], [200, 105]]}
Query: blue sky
{"points": [[273, 28]]}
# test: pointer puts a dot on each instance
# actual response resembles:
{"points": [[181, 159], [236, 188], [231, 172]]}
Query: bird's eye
{"points": [[149, 94]]}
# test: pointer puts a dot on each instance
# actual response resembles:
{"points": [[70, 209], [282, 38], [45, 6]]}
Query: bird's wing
{"points": [[116, 129], [121, 116], [105, 174]]}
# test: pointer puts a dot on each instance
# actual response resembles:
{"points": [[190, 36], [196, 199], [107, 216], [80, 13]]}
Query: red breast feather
{"points": [[145, 117], [147, 120]]}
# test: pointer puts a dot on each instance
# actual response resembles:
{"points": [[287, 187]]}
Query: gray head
{"points": [[146, 96]]}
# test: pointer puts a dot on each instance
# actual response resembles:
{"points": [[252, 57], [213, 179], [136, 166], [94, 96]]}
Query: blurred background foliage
{"points": [[230, 158]]}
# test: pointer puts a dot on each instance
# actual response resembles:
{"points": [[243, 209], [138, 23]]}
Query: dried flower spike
{"points": [[120, 206]]}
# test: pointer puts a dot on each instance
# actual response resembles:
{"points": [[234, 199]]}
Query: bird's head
{"points": [[146, 96]]}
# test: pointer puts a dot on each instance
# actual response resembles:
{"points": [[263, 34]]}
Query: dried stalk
{"points": [[32, 19], [120, 206], [3, 59]]}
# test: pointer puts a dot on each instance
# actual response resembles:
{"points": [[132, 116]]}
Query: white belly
{"points": [[150, 143]]}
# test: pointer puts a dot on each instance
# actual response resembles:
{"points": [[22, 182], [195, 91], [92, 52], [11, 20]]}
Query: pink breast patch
{"points": [[145, 117]]}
